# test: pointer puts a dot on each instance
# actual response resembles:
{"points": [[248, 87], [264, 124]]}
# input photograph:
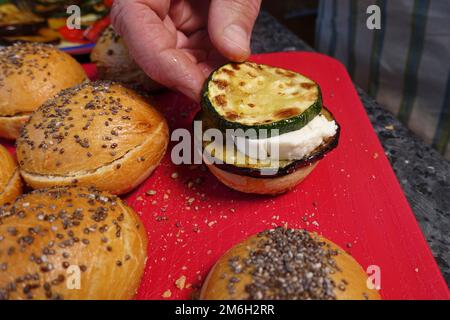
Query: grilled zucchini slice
{"points": [[256, 96], [226, 159]]}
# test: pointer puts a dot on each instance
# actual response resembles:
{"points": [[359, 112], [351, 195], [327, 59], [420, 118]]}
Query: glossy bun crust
{"points": [[113, 62], [99, 133], [29, 75], [287, 264], [10, 182], [265, 186], [50, 237]]}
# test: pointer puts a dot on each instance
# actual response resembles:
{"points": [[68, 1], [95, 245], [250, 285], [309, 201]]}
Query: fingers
{"points": [[181, 73], [189, 16], [137, 22], [212, 62], [160, 7], [165, 42], [152, 43], [199, 46], [230, 26]]}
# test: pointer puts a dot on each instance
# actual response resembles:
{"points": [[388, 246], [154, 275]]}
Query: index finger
{"points": [[152, 44]]}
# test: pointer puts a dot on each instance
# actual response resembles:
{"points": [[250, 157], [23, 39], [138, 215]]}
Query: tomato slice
{"points": [[72, 35], [94, 31]]}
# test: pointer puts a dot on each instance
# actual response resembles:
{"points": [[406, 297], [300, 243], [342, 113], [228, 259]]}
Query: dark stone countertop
{"points": [[423, 173]]}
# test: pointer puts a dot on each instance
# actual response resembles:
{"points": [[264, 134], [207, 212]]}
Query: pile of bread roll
{"points": [[79, 144]]}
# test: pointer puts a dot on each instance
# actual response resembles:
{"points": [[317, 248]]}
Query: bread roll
{"points": [[10, 183], [287, 264], [30, 74], [113, 62], [70, 243], [259, 185], [98, 133]]}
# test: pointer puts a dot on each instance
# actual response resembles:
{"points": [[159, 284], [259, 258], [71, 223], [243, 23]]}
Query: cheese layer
{"points": [[294, 145]]}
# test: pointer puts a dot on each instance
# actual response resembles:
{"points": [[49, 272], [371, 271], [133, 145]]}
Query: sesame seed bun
{"points": [[113, 62], [259, 185], [51, 238], [10, 182], [287, 264], [29, 75], [99, 133]]}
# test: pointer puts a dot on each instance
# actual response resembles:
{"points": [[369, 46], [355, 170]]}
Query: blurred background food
{"points": [[45, 21]]}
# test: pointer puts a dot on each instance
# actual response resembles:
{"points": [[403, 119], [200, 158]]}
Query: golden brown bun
{"points": [[29, 75], [113, 62], [10, 126], [51, 236], [267, 186], [98, 133], [10, 183], [224, 283]]}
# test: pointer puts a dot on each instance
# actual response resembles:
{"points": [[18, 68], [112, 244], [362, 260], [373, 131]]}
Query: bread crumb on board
{"points": [[167, 294], [180, 282]]}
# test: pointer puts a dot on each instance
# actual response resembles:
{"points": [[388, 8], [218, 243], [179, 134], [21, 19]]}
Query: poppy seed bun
{"points": [[10, 126], [258, 185], [10, 183], [29, 75], [98, 133], [51, 237], [113, 62], [287, 264]]}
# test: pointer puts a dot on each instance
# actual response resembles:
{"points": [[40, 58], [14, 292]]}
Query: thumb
{"points": [[230, 25]]}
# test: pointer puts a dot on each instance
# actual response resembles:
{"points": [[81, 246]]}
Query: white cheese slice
{"points": [[294, 145]]}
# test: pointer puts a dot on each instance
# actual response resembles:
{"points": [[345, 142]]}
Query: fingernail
{"points": [[237, 36]]}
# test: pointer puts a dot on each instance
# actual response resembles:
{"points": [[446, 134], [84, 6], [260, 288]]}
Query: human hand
{"points": [[179, 42]]}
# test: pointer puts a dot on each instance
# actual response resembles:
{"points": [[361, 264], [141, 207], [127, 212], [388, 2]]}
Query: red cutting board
{"points": [[353, 198]]}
